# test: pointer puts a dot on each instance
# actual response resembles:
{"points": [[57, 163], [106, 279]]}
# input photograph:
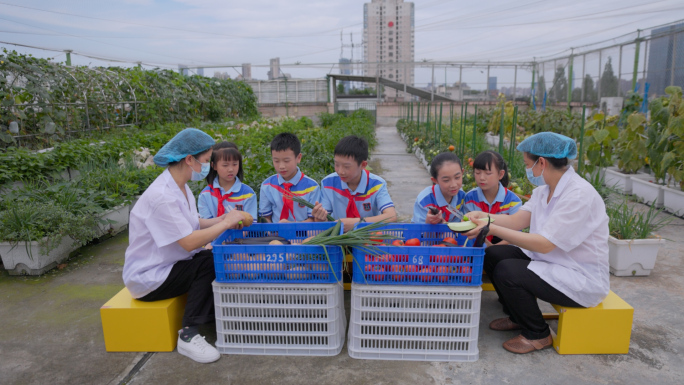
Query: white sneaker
{"points": [[198, 349]]}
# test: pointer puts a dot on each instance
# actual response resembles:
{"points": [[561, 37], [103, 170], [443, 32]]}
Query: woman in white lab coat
{"points": [[165, 258], [564, 257]]}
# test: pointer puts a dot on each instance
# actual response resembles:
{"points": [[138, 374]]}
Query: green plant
{"points": [[599, 140], [630, 147], [668, 123], [625, 221]]}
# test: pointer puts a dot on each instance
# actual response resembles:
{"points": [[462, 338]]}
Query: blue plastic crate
{"points": [[294, 263], [425, 265]]}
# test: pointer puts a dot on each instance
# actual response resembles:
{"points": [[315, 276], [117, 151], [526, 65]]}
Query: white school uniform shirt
{"points": [[159, 219], [575, 220]]}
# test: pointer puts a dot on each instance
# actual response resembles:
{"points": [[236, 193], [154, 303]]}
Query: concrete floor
{"points": [[51, 330]]}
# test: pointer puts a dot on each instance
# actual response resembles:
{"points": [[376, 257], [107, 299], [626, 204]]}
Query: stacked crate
{"points": [[418, 303], [278, 299]]}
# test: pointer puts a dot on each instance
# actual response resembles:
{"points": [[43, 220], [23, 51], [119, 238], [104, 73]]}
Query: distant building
{"points": [[200, 71], [388, 35], [183, 69], [345, 69], [274, 72], [246, 71], [665, 58], [491, 83], [455, 91], [221, 75]]}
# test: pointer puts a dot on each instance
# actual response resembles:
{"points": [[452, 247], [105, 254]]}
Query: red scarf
{"points": [[288, 204], [352, 210], [215, 192]]}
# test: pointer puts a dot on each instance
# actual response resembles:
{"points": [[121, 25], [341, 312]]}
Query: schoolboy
{"points": [[352, 193], [273, 203]]}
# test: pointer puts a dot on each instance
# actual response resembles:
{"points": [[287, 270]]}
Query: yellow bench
{"points": [[130, 325], [602, 329]]}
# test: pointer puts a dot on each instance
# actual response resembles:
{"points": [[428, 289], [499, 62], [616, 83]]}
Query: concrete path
{"points": [[51, 330], [405, 175]]}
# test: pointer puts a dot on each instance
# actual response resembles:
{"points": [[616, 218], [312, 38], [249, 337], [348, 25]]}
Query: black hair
{"points": [[557, 163], [353, 146], [485, 160], [286, 141], [439, 160], [224, 151]]}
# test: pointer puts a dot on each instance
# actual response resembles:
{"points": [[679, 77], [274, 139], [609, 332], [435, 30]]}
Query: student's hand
{"points": [[349, 223], [319, 213], [284, 221], [434, 219], [232, 219]]}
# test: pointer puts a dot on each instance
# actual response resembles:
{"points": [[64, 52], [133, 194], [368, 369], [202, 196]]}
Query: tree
{"points": [[340, 88], [559, 90], [541, 88], [609, 82], [589, 91]]}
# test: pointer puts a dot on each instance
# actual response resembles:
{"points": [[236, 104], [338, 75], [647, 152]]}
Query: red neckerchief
{"points": [[288, 204], [215, 192], [352, 210]]}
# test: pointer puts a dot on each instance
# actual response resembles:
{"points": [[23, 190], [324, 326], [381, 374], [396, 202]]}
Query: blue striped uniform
{"points": [[371, 197], [506, 202], [242, 198], [432, 197], [271, 197]]}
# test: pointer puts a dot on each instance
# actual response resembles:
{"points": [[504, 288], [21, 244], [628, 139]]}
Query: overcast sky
{"points": [[221, 32]]}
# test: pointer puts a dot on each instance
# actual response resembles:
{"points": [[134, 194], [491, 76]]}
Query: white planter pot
{"points": [[623, 182], [20, 261], [673, 200], [492, 140], [119, 217], [633, 257], [651, 193]]}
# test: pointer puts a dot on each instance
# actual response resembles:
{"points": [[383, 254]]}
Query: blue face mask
{"points": [[198, 176], [535, 180]]}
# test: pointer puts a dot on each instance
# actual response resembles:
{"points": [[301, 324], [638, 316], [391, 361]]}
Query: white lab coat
{"points": [[575, 220], [159, 219]]}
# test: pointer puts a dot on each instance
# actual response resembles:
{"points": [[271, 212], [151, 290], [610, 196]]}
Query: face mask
{"points": [[198, 176], [535, 180]]}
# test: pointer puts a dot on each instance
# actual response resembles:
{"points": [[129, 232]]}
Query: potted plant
{"points": [[632, 244], [34, 238], [669, 113]]}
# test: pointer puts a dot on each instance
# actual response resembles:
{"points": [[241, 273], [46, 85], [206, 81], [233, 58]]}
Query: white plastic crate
{"points": [[414, 323], [279, 319]]}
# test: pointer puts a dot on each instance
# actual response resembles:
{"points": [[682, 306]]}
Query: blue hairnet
{"points": [[190, 141], [549, 145]]}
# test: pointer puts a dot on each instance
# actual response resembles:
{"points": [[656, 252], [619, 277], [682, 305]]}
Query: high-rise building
{"points": [[246, 71], [345, 69], [388, 36], [274, 72], [200, 71], [183, 69], [665, 58]]}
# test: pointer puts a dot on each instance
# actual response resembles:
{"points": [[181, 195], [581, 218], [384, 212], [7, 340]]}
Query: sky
{"points": [[305, 35]]}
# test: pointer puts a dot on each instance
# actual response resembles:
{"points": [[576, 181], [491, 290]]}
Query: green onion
{"points": [[289, 195]]}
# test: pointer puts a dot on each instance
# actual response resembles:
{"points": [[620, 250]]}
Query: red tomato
{"points": [[450, 240], [369, 258], [412, 242], [397, 242], [467, 272], [442, 272], [379, 240], [428, 274], [411, 269], [397, 269], [376, 273]]}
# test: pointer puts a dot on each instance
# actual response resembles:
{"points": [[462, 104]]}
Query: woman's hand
{"points": [[476, 215], [480, 220], [233, 219], [319, 213]]}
